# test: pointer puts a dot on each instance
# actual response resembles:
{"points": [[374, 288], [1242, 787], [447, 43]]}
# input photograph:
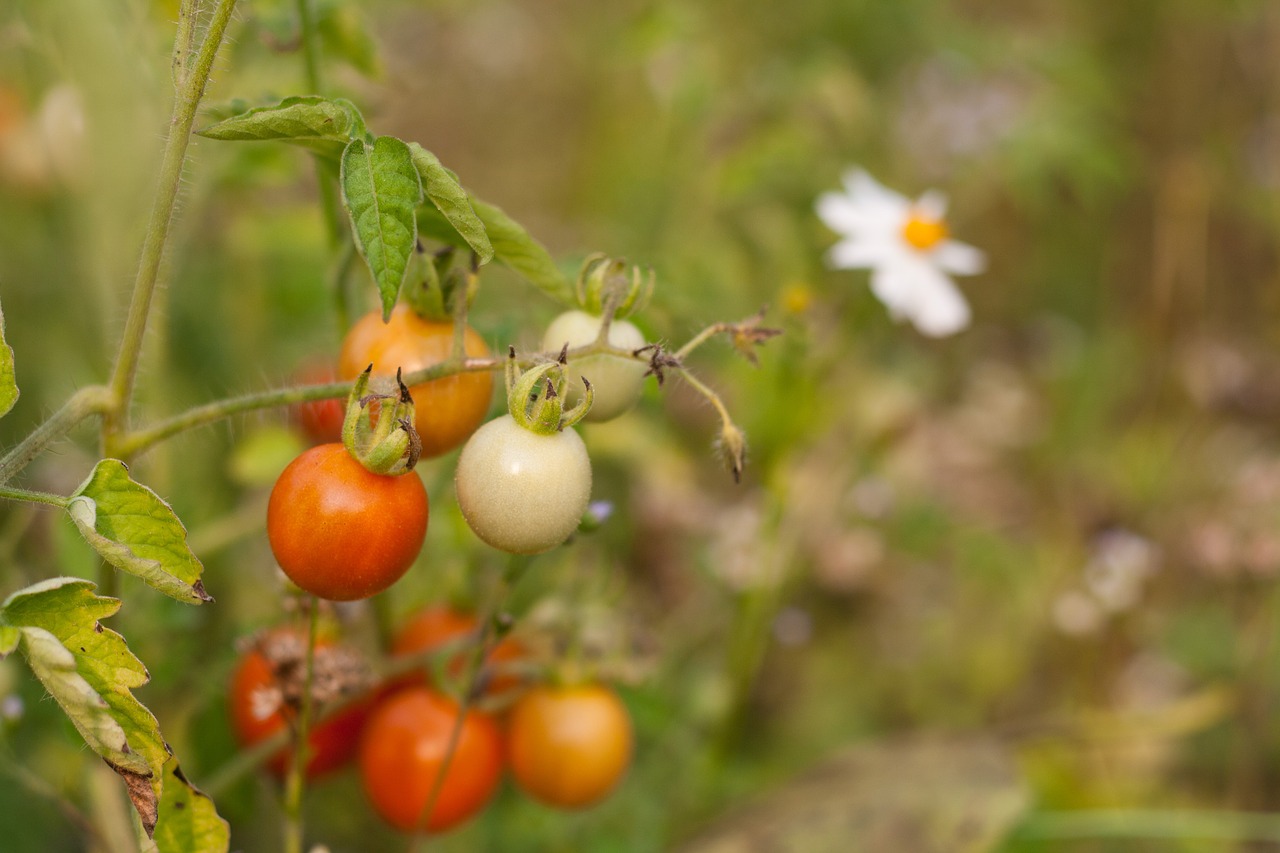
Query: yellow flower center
{"points": [[923, 232]]}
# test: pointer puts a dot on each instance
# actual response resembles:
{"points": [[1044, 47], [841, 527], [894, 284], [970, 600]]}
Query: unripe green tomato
{"points": [[522, 492], [617, 382]]}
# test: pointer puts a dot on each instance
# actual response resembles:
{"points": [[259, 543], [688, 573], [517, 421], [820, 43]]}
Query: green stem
{"points": [[293, 788], [701, 338], [187, 101], [515, 567], [311, 71], [11, 494], [1147, 824], [184, 41], [94, 399]]}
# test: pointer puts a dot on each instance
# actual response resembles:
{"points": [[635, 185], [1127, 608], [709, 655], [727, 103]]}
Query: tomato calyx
{"points": [[378, 430], [604, 286], [446, 277], [536, 398]]}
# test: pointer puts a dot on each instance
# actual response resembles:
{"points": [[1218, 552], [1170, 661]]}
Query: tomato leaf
{"points": [[189, 822], [323, 125], [512, 246], [451, 200], [9, 638], [8, 379], [381, 189], [89, 671], [134, 530]]}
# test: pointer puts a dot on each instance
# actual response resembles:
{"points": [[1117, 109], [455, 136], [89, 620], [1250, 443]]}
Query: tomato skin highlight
{"points": [[522, 492], [437, 625], [403, 750], [448, 409], [569, 746], [333, 742], [341, 532]]}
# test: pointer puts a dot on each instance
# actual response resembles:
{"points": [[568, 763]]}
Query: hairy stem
{"points": [[11, 494], [187, 101], [94, 399], [293, 786]]}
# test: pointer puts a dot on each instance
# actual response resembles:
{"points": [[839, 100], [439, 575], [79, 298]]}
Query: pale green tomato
{"points": [[617, 382], [522, 492]]}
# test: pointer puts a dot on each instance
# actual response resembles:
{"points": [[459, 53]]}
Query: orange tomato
{"points": [[569, 746], [448, 409], [402, 755]]}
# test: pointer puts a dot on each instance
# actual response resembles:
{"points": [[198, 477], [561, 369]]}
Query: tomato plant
{"points": [[332, 743], [569, 746], [404, 750], [617, 381], [452, 407], [341, 532], [435, 626]]}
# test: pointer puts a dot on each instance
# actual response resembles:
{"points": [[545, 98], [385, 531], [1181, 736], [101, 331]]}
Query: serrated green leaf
{"points": [[381, 189], [189, 822], [448, 196], [8, 378], [90, 672], [512, 246], [134, 530], [323, 125]]}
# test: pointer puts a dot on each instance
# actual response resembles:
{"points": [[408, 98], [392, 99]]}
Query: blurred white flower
{"points": [[907, 247]]}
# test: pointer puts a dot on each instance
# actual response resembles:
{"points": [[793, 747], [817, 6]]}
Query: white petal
{"points": [[938, 309], [892, 283], [842, 214], [857, 254], [870, 194], [932, 205], [959, 258]]}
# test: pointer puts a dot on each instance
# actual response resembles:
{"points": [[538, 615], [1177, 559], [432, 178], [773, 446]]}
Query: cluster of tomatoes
{"points": [[566, 746], [344, 529]]}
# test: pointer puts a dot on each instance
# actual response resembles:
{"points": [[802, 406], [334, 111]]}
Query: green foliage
{"points": [[8, 378], [444, 191], [189, 822], [90, 672], [381, 189], [322, 125], [134, 530]]}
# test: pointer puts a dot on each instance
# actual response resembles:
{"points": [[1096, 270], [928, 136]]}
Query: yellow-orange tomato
{"points": [[435, 626], [403, 751], [340, 531], [569, 746], [448, 409], [333, 741]]}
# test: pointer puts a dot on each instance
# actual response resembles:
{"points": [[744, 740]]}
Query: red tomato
{"points": [[569, 746], [333, 742], [403, 751], [341, 532], [321, 420], [438, 625], [448, 409]]}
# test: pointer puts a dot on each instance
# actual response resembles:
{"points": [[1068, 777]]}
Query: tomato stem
{"points": [[294, 783]]}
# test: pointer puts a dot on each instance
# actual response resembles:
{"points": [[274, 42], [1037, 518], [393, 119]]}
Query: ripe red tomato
{"points": [[438, 625], [569, 746], [403, 751], [321, 420], [341, 532], [333, 742], [448, 409]]}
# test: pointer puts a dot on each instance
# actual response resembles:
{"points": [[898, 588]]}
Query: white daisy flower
{"points": [[907, 247]]}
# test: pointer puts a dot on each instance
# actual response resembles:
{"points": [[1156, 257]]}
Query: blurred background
{"points": [[967, 586]]}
